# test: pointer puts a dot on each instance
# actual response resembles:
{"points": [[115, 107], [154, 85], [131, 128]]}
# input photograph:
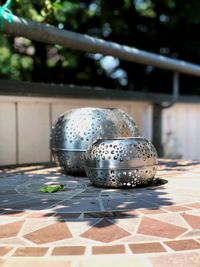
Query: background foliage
{"points": [[167, 27]]}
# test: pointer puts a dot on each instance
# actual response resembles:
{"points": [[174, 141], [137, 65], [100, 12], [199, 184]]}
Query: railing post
{"points": [[157, 115], [157, 128], [175, 86]]}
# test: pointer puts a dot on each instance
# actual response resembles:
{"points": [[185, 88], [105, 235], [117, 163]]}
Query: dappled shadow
{"points": [[25, 168], [175, 165], [79, 200]]}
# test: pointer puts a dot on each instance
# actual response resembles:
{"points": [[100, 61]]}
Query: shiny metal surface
{"points": [[121, 162], [76, 129]]}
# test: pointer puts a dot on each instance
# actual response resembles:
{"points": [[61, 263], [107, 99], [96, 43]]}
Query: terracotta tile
{"points": [[54, 232], [192, 220], [36, 214], [16, 213], [158, 228], [195, 212], [128, 224], [151, 211], [117, 249], [171, 218], [194, 205], [186, 244], [30, 251], [135, 239], [33, 225], [77, 227], [147, 248], [176, 208], [192, 234], [10, 229], [69, 250], [105, 231], [5, 250]]}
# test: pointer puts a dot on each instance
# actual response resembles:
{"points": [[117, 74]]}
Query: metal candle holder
{"points": [[76, 129], [114, 163]]}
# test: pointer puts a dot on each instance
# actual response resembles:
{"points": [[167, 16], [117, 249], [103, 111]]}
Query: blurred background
{"points": [[165, 27]]}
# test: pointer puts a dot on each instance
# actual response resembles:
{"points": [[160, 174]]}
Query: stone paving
{"points": [[88, 226]]}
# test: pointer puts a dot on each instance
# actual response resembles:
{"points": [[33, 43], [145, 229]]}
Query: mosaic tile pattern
{"points": [[147, 248], [85, 221]]}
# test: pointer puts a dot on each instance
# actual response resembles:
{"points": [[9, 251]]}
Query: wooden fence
{"points": [[26, 117]]}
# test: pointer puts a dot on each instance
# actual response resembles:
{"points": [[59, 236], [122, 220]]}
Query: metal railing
{"points": [[52, 35]]}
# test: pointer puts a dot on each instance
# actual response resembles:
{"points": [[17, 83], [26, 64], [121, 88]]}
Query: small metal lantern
{"points": [[76, 129], [121, 162]]}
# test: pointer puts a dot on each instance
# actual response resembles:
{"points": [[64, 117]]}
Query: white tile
{"points": [[7, 134], [34, 132]]}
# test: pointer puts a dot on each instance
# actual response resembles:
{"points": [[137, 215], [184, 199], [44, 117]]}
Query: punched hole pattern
{"points": [[119, 178]]}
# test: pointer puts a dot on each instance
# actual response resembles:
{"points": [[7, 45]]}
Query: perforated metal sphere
{"points": [[76, 129], [121, 162]]}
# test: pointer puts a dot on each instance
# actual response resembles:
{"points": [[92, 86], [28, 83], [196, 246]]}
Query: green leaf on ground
{"points": [[51, 188]]}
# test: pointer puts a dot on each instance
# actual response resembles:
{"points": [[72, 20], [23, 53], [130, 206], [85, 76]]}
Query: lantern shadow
{"points": [[79, 201]]}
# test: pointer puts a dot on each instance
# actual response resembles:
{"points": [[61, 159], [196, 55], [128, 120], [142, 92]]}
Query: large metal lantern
{"points": [[114, 163], [76, 129]]}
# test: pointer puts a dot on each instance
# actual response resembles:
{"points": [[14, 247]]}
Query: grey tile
{"points": [[32, 204], [125, 204], [79, 206]]}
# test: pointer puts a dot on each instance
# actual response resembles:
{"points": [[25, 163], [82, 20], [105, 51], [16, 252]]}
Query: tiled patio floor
{"points": [[89, 226]]}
